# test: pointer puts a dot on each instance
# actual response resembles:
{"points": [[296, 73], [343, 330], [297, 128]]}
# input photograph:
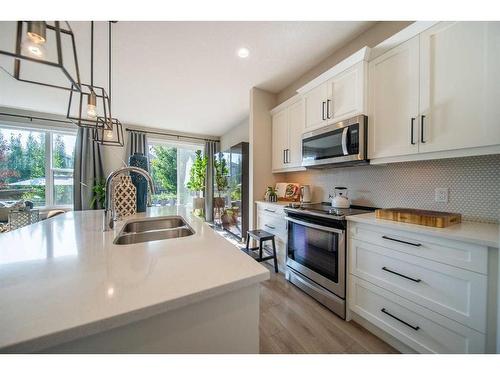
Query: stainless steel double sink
{"points": [[153, 229]]}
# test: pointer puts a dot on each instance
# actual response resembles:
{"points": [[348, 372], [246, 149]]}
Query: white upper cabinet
{"points": [[280, 139], [315, 102], [337, 94], [436, 95], [460, 85], [346, 94], [393, 101], [295, 128], [288, 126]]}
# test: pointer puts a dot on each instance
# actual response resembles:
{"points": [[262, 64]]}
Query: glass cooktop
{"points": [[325, 208]]}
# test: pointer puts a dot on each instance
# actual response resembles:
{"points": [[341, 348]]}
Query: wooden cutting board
{"points": [[420, 217]]}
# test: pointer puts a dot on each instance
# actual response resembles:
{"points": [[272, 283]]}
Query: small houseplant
{"points": [[271, 194], [221, 178], [99, 194], [221, 184], [196, 182]]}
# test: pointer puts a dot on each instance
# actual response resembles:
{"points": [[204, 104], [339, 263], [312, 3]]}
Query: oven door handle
{"points": [[344, 141], [315, 226]]}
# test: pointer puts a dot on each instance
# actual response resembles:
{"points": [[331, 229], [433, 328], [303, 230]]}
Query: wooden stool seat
{"points": [[262, 236]]}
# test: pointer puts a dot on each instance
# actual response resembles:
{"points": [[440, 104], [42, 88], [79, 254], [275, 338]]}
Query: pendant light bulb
{"points": [[37, 31], [33, 43], [32, 49], [91, 106], [109, 134]]}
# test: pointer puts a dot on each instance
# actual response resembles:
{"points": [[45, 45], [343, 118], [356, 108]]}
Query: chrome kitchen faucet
{"points": [[109, 209]]}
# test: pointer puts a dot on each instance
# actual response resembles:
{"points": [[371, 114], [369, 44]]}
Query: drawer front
{"points": [[272, 224], [414, 325], [456, 293], [271, 209], [455, 253]]}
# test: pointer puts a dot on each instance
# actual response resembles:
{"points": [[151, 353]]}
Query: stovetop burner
{"points": [[325, 209]]}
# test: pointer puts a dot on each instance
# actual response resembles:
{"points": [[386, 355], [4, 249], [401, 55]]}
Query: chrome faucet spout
{"points": [[109, 210]]}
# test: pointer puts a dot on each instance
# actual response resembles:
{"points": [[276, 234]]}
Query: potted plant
{"points": [[221, 179], [99, 194], [271, 194], [196, 182]]}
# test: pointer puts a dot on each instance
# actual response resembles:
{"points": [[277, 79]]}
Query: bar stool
{"points": [[262, 236]]}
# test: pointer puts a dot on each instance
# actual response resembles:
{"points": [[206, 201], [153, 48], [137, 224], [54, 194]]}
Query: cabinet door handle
{"points": [[416, 328], [405, 242], [268, 210], [422, 128], [284, 156], [401, 275], [288, 155], [269, 226], [328, 108], [412, 123], [323, 110]]}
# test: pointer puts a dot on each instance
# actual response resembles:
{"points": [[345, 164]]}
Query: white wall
{"points": [[238, 133], [260, 129]]}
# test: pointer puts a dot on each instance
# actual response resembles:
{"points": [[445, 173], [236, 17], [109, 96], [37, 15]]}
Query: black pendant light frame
{"points": [[18, 56], [114, 125], [83, 95]]}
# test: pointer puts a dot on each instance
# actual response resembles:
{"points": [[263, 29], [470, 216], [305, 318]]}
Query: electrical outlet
{"points": [[441, 195]]}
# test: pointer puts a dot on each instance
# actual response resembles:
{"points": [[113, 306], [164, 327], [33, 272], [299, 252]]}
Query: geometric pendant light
{"points": [[44, 53], [88, 105], [110, 131]]}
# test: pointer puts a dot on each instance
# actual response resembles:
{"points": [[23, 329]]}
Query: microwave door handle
{"points": [[344, 141]]}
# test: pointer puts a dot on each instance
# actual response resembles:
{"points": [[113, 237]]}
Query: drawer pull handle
{"points": [[268, 210], [269, 226], [416, 328], [401, 241], [401, 275]]}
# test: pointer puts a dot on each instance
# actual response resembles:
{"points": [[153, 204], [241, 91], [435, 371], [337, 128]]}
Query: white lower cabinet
{"points": [[431, 301], [271, 218], [421, 329], [451, 291]]}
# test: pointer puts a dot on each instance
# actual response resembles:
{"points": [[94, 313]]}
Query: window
{"points": [[37, 165], [170, 165]]}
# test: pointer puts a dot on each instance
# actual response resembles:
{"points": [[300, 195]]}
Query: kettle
{"points": [[340, 198], [305, 194]]}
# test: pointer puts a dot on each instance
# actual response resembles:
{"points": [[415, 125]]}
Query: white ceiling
{"points": [[186, 76]]}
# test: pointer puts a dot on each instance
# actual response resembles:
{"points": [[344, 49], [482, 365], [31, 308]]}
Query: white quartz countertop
{"points": [[63, 278], [279, 203], [479, 233]]}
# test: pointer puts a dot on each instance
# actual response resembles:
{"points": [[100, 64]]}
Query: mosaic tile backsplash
{"points": [[473, 183]]}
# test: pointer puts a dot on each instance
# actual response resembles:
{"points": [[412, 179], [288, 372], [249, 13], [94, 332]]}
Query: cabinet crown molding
{"points": [[294, 99], [362, 55], [400, 37]]}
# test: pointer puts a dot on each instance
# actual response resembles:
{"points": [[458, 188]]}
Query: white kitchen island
{"points": [[66, 288]]}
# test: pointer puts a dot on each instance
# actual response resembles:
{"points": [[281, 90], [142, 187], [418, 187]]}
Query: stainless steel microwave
{"points": [[340, 144]]}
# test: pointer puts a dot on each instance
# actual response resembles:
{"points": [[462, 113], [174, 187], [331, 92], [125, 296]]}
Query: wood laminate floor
{"points": [[293, 322]]}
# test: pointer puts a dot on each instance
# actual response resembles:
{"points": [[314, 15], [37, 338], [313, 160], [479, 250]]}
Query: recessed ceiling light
{"points": [[243, 52]]}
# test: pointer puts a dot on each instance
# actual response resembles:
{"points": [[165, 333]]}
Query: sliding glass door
{"points": [[170, 164]]}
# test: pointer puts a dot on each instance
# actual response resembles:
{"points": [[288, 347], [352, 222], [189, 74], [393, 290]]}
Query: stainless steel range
{"points": [[316, 251]]}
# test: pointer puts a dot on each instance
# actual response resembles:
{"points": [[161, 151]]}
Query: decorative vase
{"points": [[199, 206], [124, 196], [141, 161]]}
